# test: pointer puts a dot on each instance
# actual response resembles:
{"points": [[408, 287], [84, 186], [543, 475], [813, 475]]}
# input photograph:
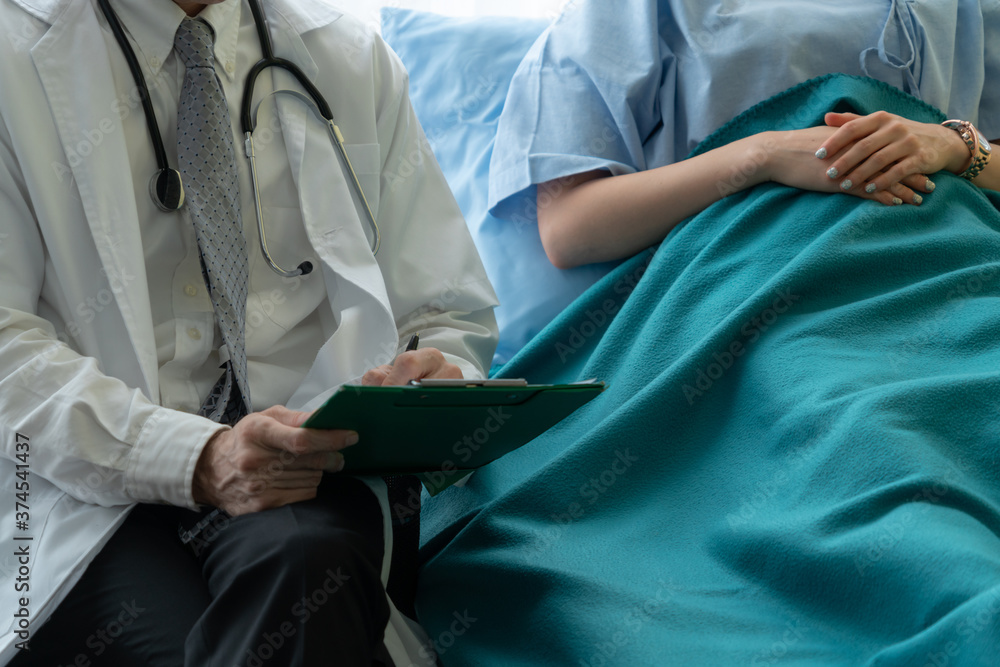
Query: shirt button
{"points": [[191, 290], [194, 333], [230, 66], [154, 62]]}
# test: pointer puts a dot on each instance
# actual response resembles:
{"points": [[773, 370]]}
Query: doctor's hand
{"points": [[267, 461], [416, 365]]}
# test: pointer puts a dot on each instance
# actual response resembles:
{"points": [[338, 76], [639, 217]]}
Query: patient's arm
{"points": [[990, 177], [589, 218]]}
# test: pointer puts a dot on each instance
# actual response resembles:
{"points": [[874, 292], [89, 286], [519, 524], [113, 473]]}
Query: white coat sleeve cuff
{"points": [[161, 466], [469, 370]]}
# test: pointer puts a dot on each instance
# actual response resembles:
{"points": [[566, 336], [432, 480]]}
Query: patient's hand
{"points": [[416, 365], [884, 149], [267, 461], [792, 161]]}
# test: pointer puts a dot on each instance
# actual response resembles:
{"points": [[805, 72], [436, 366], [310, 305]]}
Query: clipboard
{"points": [[444, 429]]}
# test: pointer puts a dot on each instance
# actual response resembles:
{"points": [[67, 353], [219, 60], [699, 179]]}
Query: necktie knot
{"points": [[194, 41]]}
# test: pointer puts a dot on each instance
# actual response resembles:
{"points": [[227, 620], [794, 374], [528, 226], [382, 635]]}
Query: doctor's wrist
{"points": [[203, 486]]}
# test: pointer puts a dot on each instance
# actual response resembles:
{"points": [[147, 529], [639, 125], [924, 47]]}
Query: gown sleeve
{"points": [[586, 96]]}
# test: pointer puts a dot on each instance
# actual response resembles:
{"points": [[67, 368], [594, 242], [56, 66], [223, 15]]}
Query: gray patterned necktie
{"points": [[207, 162]]}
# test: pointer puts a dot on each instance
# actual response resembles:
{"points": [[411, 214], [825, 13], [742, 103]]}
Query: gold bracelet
{"points": [[980, 149]]}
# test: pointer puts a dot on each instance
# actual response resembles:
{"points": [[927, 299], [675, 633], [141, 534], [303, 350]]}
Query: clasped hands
{"points": [[881, 156], [267, 460]]}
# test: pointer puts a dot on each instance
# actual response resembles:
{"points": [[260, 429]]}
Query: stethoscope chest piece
{"points": [[167, 190], [166, 187]]}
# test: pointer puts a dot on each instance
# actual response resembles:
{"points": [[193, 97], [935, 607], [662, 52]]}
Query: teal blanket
{"points": [[796, 461]]}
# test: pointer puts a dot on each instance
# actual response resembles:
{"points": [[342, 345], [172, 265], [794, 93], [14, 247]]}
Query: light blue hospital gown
{"points": [[628, 85]]}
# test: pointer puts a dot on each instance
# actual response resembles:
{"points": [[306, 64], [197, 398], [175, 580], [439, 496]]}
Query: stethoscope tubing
{"points": [[166, 187]]}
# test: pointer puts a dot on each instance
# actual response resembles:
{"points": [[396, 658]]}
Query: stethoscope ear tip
{"points": [[305, 268], [167, 190]]}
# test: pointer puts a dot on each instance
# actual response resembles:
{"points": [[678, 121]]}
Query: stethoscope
{"points": [[166, 188]]}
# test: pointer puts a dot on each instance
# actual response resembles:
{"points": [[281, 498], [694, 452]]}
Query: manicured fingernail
{"points": [[897, 201], [918, 200], [832, 172], [351, 439], [870, 188], [846, 185], [929, 185], [821, 153], [340, 465]]}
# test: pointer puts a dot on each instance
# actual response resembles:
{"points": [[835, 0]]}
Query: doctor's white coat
{"points": [[79, 390]]}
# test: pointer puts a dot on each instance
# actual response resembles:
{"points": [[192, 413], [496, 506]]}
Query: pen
{"points": [[410, 347]]}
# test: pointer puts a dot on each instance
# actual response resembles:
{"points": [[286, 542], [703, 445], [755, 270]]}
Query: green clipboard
{"points": [[444, 432]]}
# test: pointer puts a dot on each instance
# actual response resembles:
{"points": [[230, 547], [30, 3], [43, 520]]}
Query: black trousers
{"points": [[296, 585]]}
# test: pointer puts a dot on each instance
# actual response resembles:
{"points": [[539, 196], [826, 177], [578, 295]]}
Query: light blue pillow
{"points": [[460, 71]]}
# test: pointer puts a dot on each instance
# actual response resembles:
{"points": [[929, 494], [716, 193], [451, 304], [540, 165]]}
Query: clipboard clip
{"points": [[461, 382]]}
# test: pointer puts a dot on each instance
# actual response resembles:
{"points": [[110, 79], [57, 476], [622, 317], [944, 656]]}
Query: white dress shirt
{"points": [[283, 315]]}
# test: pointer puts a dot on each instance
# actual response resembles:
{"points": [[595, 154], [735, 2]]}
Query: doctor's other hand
{"points": [[884, 149], [416, 365], [267, 461]]}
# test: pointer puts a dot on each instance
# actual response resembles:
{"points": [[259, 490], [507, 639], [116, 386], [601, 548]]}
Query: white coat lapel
{"points": [[366, 335], [324, 191], [72, 62]]}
